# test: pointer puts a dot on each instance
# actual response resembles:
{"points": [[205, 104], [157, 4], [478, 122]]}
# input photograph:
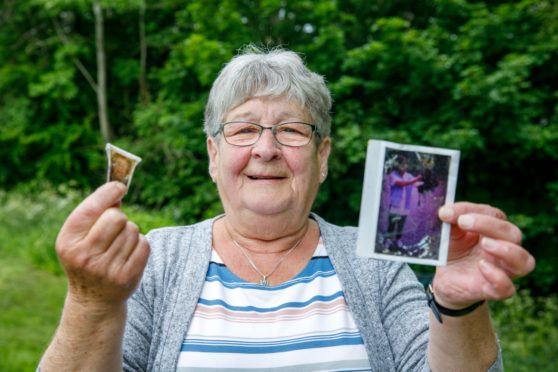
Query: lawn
{"points": [[31, 301]]}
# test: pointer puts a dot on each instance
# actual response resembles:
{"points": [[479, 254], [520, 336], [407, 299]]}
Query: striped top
{"points": [[303, 324]]}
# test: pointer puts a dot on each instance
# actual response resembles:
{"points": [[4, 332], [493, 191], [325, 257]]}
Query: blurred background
{"points": [[478, 76]]}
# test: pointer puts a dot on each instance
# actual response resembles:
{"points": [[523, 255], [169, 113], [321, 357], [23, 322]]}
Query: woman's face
{"points": [[268, 178]]}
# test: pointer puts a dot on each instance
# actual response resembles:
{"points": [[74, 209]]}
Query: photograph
{"points": [[121, 164], [404, 186]]}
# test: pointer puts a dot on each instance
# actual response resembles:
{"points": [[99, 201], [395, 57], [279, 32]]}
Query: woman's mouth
{"points": [[264, 177]]}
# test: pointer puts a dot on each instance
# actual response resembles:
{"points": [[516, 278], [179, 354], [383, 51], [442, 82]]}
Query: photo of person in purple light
{"points": [[414, 187], [401, 184], [404, 187]]}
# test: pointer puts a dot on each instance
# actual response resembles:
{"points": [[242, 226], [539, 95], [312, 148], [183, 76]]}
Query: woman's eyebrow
{"points": [[290, 115], [247, 115], [281, 117]]}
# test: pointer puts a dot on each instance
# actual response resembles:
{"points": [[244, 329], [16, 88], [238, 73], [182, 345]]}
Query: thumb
{"points": [[80, 221]]}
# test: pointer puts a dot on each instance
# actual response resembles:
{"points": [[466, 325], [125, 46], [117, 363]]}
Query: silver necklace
{"points": [[263, 277]]}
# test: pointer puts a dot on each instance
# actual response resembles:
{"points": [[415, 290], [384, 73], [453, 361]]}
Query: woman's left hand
{"points": [[485, 254]]}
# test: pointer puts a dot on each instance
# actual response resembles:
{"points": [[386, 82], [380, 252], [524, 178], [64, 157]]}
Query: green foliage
{"points": [[32, 216], [528, 331], [477, 76], [44, 209]]}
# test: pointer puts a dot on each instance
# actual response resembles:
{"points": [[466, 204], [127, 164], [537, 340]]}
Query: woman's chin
{"points": [[268, 207]]}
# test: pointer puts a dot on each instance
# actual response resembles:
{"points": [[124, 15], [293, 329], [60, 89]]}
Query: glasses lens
{"points": [[294, 134], [241, 134]]}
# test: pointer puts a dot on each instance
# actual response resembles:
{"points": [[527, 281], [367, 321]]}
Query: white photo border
{"points": [[371, 200], [109, 148]]}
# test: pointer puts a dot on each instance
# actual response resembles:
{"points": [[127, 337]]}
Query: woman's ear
{"points": [[323, 155], [213, 153]]}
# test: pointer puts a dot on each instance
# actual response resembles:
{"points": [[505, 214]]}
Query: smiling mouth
{"points": [[265, 178]]}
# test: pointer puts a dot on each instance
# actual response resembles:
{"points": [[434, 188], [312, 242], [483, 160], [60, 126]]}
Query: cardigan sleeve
{"points": [[388, 303], [139, 324], [144, 307], [404, 315], [160, 310]]}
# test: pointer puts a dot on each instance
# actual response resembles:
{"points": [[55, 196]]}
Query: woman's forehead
{"points": [[277, 108]]}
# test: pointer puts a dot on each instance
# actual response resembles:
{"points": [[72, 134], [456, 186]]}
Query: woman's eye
{"points": [[292, 130], [240, 130], [247, 130]]}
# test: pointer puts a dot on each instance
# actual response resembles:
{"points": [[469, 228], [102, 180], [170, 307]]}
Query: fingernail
{"points": [[489, 290], [466, 221], [446, 213], [489, 244], [531, 263], [121, 186]]}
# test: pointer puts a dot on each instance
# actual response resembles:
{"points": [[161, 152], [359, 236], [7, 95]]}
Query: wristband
{"points": [[438, 309]]}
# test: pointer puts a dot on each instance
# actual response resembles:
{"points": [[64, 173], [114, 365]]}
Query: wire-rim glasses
{"points": [[245, 133]]}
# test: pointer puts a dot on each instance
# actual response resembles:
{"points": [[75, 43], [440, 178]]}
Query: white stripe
{"points": [[290, 358], [269, 299], [323, 321]]}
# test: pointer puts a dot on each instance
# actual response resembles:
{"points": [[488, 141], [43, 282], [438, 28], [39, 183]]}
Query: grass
{"points": [[31, 301], [32, 286]]}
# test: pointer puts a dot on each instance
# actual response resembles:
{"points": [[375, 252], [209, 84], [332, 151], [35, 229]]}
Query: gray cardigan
{"points": [[387, 302]]}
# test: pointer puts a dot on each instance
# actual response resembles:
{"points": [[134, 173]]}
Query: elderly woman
{"points": [[270, 285]]}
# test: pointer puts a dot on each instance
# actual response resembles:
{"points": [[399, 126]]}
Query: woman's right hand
{"points": [[103, 254]]}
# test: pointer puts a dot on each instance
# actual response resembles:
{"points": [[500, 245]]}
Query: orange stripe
{"points": [[218, 312]]}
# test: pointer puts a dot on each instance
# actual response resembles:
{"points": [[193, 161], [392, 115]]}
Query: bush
{"points": [[478, 76], [31, 219], [33, 215], [528, 331]]}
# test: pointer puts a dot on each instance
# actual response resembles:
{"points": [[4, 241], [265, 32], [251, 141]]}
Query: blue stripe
{"points": [[317, 264], [317, 267], [241, 284], [316, 337], [260, 349], [271, 309]]}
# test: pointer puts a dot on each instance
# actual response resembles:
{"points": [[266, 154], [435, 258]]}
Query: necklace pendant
{"points": [[264, 282]]}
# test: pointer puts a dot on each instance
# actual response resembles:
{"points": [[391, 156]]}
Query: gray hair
{"points": [[274, 73]]}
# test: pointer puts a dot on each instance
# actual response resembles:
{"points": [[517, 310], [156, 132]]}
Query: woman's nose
{"points": [[267, 148]]}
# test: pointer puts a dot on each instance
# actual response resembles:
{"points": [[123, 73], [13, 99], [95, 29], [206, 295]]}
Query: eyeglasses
{"points": [[244, 133]]}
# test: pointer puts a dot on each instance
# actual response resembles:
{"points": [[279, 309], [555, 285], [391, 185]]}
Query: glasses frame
{"points": [[273, 130]]}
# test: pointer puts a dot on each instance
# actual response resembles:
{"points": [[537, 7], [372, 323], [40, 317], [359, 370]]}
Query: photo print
{"points": [[404, 186], [121, 164]]}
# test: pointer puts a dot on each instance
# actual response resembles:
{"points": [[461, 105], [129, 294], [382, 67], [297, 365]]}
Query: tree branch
{"points": [[104, 123], [64, 39], [144, 91]]}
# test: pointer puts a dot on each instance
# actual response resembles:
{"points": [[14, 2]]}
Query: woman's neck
{"points": [[277, 259], [265, 235]]}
